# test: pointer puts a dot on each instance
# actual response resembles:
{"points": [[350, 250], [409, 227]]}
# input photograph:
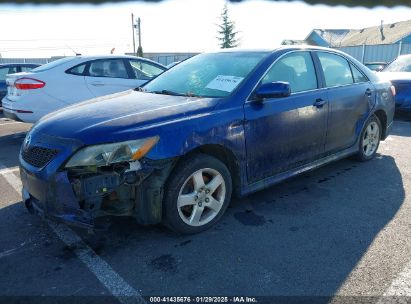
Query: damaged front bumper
{"points": [[61, 205], [81, 197]]}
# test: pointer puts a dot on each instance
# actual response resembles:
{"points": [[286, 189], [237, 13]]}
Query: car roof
{"points": [[19, 64], [95, 57], [276, 49]]}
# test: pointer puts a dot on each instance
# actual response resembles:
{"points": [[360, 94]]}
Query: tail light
{"points": [[393, 91], [28, 83]]}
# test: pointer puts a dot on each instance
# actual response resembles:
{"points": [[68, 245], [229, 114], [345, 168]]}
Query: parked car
{"points": [[217, 124], [376, 66], [399, 73], [11, 68], [170, 65], [70, 80]]}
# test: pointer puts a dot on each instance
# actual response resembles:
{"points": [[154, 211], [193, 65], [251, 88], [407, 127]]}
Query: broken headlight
{"points": [[107, 154]]}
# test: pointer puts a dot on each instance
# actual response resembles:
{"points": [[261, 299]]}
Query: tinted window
{"points": [[144, 70], [336, 70], [3, 73], [7, 70], [357, 75], [77, 70], [209, 74], [297, 69], [113, 68], [26, 68]]}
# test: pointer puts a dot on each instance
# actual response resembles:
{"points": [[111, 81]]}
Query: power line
{"points": [[53, 39], [51, 48]]}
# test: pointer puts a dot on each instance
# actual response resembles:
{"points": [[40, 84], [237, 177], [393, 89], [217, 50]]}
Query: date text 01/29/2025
{"points": [[203, 300]]}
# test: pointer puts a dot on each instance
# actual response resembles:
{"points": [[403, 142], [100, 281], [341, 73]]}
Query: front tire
{"points": [[197, 194], [370, 139]]}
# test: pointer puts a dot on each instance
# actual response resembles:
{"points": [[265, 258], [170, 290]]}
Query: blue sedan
{"points": [[219, 124], [399, 73]]}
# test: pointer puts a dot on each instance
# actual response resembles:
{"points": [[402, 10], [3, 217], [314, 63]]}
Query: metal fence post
{"points": [[363, 53]]}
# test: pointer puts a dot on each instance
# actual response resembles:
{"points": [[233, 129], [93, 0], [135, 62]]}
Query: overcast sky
{"points": [[170, 26]]}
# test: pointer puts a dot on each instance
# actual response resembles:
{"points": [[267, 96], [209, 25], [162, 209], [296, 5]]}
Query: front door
{"points": [[284, 133]]}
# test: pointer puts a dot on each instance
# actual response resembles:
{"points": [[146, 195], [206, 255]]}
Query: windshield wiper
{"points": [[167, 92], [172, 93]]}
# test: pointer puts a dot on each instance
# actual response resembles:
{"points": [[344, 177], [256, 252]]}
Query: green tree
{"points": [[226, 30]]}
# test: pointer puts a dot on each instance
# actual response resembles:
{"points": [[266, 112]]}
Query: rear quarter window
{"points": [[357, 75], [77, 70]]}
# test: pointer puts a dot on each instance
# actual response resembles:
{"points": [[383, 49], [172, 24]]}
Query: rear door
{"points": [[350, 95], [68, 86], [284, 133], [107, 76]]}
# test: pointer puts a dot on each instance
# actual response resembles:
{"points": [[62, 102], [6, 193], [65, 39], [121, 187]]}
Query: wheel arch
{"points": [[382, 116], [223, 154]]}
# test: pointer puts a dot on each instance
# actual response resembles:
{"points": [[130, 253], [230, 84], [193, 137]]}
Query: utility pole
{"points": [[132, 28], [139, 31], [140, 48]]}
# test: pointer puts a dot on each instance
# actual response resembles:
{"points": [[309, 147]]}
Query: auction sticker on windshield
{"points": [[224, 83]]}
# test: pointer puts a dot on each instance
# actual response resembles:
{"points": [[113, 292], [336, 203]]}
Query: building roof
{"points": [[391, 33], [293, 42], [331, 36]]}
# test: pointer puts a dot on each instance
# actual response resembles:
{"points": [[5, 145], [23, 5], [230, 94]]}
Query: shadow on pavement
{"points": [[401, 128], [300, 238]]}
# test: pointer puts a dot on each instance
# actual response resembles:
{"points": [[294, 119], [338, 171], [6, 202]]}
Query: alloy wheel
{"points": [[371, 139], [201, 197]]}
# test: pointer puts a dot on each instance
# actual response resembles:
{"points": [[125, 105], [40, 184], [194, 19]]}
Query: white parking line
{"points": [[400, 288], [117, 286], [7, 170], [5, 122]]}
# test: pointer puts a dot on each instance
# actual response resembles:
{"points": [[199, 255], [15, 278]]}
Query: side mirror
{"points": [[276, 89]]}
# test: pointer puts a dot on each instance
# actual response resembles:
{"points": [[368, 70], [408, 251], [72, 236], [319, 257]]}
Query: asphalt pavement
{"points": [[338, 233]]}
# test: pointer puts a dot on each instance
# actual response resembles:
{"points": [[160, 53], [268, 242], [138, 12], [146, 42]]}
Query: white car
{"points": [[31, 95]]}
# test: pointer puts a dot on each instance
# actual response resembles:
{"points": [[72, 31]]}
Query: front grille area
{"points": [[38, 156]]}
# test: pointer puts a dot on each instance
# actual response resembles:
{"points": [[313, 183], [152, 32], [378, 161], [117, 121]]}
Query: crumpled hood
{"points": [[120, 116]]}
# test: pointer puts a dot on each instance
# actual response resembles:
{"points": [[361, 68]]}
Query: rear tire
{"points": [[370, 139], [197, 194]]}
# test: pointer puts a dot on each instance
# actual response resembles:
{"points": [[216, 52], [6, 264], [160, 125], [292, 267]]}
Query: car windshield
{"points": [[401, 64], [206, 75], [52, 64]]}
